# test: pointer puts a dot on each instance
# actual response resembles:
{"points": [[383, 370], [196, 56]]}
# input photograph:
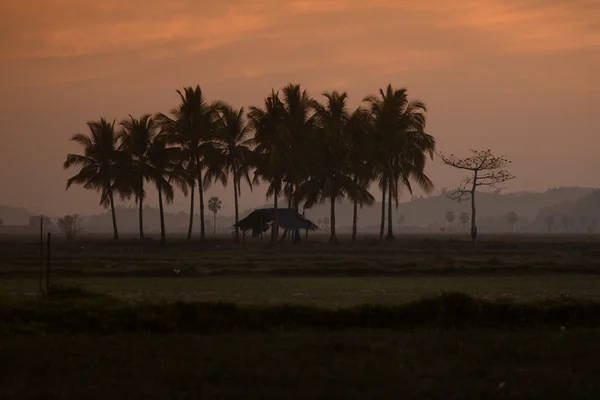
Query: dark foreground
{"points": [[306, 364], [72, 344], [532, 329]]}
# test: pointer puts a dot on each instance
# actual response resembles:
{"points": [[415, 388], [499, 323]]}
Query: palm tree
{"points": [[298, 120], [191, 125], [272, 152], [329, 176], [103, 167], [214, 205], [190, 167], [165, 170], [360, 129], [232, 154], [403, 144], [136, 137]]}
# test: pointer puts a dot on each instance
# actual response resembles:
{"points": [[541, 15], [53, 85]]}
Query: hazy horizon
{"points": [[518, 77]]}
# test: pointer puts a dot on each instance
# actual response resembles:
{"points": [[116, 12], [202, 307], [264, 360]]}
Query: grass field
{"points": [[304, 362], [420, 364]]}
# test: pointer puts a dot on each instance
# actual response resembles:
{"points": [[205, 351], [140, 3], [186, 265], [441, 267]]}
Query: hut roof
{"points": [[287, 218]]}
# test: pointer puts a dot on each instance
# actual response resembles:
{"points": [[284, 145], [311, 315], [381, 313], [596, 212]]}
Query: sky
{"points": [[520, 77]]}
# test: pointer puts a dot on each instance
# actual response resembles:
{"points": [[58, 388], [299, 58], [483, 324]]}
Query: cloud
{"points": [[80, 28], [71, 41]]}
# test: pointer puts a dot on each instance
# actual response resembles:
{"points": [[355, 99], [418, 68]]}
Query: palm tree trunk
{"points": [[354, 221], [289, 191], [297, 236], [275, 226], [114, 215], [304, 215], [201, 196], [189, 235], [163, 236], [354, 213], [333, 238], [141, 200], [390, 233], [382, 212], [235, 201]]}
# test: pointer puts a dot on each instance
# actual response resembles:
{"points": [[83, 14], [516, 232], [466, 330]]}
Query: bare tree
{"points": [[487, 170], [70, 225]]}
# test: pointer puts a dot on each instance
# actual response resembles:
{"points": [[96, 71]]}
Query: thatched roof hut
{"points": [[262, 219]]}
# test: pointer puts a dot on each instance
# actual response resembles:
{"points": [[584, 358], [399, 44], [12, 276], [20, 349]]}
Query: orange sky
{"points": [[518, 76]]}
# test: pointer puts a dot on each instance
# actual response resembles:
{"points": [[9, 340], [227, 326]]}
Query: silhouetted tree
{"points": [[401, 144], [214, 205], [487, 170], [70, 225], [191, 125], [464, 219], [272, 152], [329, 177], [512, 218], [165, 169], [298, 119], [232, 154], [361, 161], [103, 167], [136, 137]]}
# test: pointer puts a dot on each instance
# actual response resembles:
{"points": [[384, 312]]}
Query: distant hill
{"points": [[14, 215], [425, 212], [578, 215]]}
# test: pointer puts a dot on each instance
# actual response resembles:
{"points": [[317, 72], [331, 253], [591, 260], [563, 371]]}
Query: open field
{"points": [[152, 349], [522, 267]]}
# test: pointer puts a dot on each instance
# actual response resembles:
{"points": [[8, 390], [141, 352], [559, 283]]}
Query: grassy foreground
{"points": [[73, 344], [306, 364], [75, 311]]}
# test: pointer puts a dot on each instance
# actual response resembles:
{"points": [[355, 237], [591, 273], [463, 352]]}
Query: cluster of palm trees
{"points": [[306, 151]]}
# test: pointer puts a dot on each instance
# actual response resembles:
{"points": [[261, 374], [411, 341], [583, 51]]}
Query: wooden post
{"points": [[41, 253], [48, 263]]}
